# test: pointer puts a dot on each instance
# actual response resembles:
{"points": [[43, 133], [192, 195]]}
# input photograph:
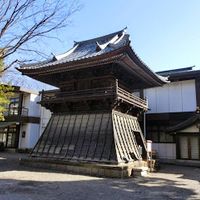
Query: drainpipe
{"points": [[145, 132]]}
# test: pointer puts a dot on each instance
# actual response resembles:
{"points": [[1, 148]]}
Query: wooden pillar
{"points": [[177, 140], [117, 84]]}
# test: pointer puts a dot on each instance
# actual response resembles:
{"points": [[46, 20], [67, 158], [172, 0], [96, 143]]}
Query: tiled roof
{"points": [[184, 124], [175, 71], [112, 48], [87, 49], [180, 74]]}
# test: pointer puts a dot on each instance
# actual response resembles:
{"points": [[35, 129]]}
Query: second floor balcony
{"points": [[16, 111], [115, 92]]}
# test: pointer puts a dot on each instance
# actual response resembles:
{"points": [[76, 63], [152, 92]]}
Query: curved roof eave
{"points": [[184, 124], [115, 56], [161, 80], [96, 51], [67, 66]]}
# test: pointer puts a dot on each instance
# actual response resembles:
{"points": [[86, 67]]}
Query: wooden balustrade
{"points": [[15, 111], [132, 99], [116, 92]]}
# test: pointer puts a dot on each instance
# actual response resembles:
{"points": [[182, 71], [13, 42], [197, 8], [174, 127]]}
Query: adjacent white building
{"points": [[173, 117], [25, 118]]}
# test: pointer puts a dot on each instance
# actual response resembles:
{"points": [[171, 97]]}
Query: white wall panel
{"points": [[172, 97], [188, 95], [33, 135], [175, 97], [30, 102], [23, 141], [26, 100], [34, 107], [150, 94], [162, 96], [165, 150]]}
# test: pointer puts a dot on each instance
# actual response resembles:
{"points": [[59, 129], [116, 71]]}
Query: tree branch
{"points": [[21, 21]]}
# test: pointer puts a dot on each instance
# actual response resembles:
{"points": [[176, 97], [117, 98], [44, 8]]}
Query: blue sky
{"points": [[164, 34]]}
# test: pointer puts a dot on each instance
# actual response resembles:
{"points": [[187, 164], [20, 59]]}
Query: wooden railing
{"points": [[77, 94], [49, 95], [16, 111], [132, 99], [116, 92]]}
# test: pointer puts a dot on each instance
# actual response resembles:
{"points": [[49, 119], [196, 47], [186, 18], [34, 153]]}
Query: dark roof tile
{"points": [[87, 49]]}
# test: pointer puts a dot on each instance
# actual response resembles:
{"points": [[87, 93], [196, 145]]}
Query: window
{"points": [[13, 108], [9, 136]]}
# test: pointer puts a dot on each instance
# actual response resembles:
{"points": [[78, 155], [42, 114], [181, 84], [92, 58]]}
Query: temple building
{"points": [[94, 128], [173, 119]]}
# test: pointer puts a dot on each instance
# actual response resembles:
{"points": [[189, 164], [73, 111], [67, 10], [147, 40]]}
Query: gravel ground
{"points": [[22, 183]]}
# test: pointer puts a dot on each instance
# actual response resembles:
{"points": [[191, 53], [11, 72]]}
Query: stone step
{"points": [[140, 163], [140, 171]]}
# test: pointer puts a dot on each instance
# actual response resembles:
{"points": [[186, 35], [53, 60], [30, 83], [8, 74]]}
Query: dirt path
{"points": [[22, 183]]}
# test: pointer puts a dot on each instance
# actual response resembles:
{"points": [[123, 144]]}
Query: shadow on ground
{"points": [[191, 173], [75, 187]]}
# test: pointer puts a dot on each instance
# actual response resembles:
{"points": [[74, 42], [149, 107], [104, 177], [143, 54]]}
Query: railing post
{"points": [[116, 85]]}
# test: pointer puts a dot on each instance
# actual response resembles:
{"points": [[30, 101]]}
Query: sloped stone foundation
{"points": [[101, 144], [91, 169]]}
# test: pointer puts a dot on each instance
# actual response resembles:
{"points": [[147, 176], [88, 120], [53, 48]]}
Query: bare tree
{"points": [[26, 21]]}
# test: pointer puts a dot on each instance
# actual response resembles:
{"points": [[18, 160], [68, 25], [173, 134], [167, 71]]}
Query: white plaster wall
{"points": [[175, 97], [33, 131], [165, 150], [45, 115], [30, 102], [150, 95], [34, 107], [172, 97], [162, 97], [26, 100], [189, 95], [31, 136], [23, 141]]}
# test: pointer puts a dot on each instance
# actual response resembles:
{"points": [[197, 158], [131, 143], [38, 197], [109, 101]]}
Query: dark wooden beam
{"points": [[168, 116]]}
